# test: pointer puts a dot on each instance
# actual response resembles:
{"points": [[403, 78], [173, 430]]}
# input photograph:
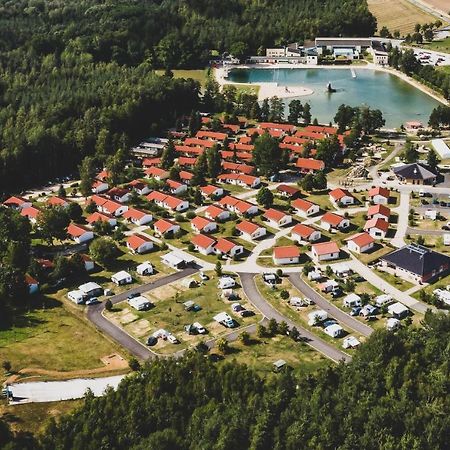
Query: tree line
{"points": [[393, 395]]}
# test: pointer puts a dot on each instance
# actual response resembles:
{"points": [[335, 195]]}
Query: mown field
{"points": [[398, 15]]}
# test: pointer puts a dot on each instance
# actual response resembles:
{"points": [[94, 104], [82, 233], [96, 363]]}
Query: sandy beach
{"points": [[268, 90]]}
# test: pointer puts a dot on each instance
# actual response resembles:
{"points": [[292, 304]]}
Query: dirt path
{"points": [[111, 363]]}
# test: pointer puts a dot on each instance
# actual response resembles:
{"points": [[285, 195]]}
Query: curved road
{"points": [[332, 310], [94, 314], [253, 295]]}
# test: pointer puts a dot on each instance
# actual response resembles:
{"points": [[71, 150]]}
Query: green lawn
{"points": [[262, 353], [45, 335], [198, 75], [438, 46], [397, 282]]}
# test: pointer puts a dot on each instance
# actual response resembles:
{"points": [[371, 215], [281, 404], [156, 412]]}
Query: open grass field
{"points": [[398, 15], [438, 46], [262, 353], [198, 75], [45, 335]]}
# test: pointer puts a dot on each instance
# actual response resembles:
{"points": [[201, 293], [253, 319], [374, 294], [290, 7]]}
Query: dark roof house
{"points": [[417, 262], [415, 173]]}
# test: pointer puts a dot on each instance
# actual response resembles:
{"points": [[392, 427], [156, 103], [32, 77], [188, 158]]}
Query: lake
{"points": [[397, 99]]}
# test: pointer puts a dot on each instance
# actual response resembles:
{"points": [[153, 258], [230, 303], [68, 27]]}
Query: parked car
{"points": [[92, 301], [200, 328], [203, 276], [336, 293], [133, 295], [152, 341], [355, 311], [247, 313], [236, 307], [308, 301]]}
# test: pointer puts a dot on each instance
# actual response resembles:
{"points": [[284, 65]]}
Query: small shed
{"points": [[279, 365]]}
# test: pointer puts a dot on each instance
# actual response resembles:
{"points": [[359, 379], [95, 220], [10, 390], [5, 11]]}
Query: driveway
{"points": [[253, 295], [94, 314], [334, 311], [55, 391]]}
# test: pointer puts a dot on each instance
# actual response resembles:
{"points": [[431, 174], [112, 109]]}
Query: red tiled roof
{"points": [[136, 240], [240, 168], [247, 227], [15, 200], [321, 129], [200, 222], [339, 193], [134, 213], [149, 162], [209, 189], [183, 161], [377, 223], [302, 204], [378, 209], [98, 199], [31, 211], [225, 245], [302, 230], [76, 230], [189, 150], [99, 217], [277, 126], [295, 140], [213, 211], [233, 128], [291, 190], [137, 184], [156, 172], [156, 196], [309, 134], [174, 184], [274, 214], [384, 192], [163, 225], [310, 164], [199, 142], [57, 201], [325, 248], [211, 134], [289, 251], [184, 175], [361, 239], [332, 218], [202, 241]]}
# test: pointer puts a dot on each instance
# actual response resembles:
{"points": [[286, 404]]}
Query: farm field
{"points": [[398, 15]]}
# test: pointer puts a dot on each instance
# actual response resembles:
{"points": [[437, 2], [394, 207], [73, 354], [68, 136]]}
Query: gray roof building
{"points": [[423, 263], [415, 173]]}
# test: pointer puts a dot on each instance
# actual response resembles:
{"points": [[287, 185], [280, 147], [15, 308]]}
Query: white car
{"points": [[172, 339], [200, 328], [236, 307]]}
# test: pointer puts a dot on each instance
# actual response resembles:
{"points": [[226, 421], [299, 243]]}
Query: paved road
{"points": [[94, 314], [250, 289], [55, 391], [334, 311], [426, 232]]}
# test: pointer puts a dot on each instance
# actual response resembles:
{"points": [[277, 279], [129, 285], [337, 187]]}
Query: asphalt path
{"points": [[334, 311], [253, 295], [94, 314], [426, 232]]}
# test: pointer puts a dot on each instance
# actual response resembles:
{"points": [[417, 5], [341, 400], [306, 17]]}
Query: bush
{"points": [[244, 338], [279, 273], [134, 364], [272, 328], [108, 305], [190, 215], [7, 366], [283, 328], [261, 331], [284, 294], [191, 247]]}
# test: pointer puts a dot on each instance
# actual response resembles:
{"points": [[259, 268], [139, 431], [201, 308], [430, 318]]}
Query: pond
{"points": [[398, 100]]}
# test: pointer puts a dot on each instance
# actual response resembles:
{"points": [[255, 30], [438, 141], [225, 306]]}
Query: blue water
{"points": [[398, 100]]}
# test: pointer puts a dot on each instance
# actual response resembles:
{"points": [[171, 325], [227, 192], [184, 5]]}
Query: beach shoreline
{"points": [[268, 90]]}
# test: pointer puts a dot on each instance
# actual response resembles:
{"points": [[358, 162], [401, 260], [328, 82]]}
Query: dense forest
{"points": [[393, 395], [77, 77]]}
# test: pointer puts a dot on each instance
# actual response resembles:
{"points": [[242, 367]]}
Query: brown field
{"points": [[399, 14], [443, 5]]}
